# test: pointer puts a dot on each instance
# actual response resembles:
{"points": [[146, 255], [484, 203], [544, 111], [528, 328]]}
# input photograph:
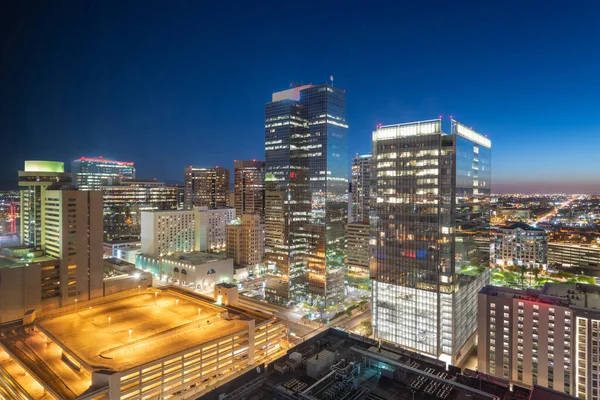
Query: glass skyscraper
{"points": [[90, 173], [306, 158], [431, 207]]}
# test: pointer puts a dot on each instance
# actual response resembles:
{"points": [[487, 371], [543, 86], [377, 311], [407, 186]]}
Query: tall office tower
{"points": [[206, 187], [305, 159], [359, 188], [35, 180], [245, 240], [519, 244], [89, 173], [249, 187], [180, 197], [432, 204], [125, 199], [358, 249], [546, 337], [72, 232]]}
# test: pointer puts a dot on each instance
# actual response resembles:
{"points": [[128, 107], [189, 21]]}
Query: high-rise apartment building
{"points": [[72, 233], [34, 180], [520, 244], [306, 161], [249, 187], [90, 173], [206, 187], [200, 229], [245, 240], [360, 195], [431, 205], [212, 225], [168, 232], [545, 337], [125, 199]]}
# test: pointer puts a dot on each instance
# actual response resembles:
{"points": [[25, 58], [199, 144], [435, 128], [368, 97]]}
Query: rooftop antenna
{"points": [[331, 79]]}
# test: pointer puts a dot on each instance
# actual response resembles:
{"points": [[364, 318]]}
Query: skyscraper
{"points": [[306, 160], [249, 187], [206, 187], [125, 199], [89, 173], [432, 204], [36, 178], [359, 188]]}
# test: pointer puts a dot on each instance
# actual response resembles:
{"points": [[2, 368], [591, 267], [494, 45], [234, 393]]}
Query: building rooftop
{"points": [[196, 257], [565, 295], [12, 262], [386, 372], [520, 225], [143, 327]]}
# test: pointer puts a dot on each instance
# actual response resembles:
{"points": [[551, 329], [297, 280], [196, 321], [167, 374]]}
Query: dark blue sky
{"points": [[172, 83]]}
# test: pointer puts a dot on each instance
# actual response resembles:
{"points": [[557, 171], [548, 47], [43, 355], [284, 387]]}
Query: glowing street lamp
{"points": [[108, 320], [75, 305], [130, 332], [199, 309], [176, 302]]}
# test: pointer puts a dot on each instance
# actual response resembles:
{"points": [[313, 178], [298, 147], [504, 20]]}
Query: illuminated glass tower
{"points": [[90, 173], [249, 187], [306, 158], [206, 187], [432, 205], [359, 188]]}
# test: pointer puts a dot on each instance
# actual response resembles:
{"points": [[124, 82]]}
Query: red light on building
{"points": [[292, 175]]}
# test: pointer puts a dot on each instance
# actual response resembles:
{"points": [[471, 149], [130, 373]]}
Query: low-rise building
{"points": [[580, 258], [123, 249], [520, 244], [195, 270], [136, 344]]}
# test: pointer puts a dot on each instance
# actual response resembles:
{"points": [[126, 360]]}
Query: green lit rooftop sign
{"points": [[44, 166]]}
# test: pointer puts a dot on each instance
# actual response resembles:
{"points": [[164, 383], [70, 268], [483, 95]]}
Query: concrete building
{"points": [[432, 190], [34, 180], [201, 229], [90, 173], [206, 187], [212, 225], [249, 187], [520, 244], [579, 258], [227, 294], [245, 240], [360, 192], [167, 232], [359, 251], [545, 337], [194, 270], [72, 233], [125, 199], [137, 344]]}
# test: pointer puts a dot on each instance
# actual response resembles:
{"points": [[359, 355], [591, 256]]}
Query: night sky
{"points": [[167, 84]]}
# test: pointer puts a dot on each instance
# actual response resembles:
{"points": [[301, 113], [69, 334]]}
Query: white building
{"points": [[167, 232], [212, 228]]}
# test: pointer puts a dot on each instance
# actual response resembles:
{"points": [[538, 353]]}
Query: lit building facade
{"points": [[358, 249], [168, 232], [545, 337], [89, 173], [520, 244], [125, 199], [580, 258], [306, 159], [206, 187], [245, 240], [249, 187], [34, 180], [360, 195], [212, 226], [432, 203]]}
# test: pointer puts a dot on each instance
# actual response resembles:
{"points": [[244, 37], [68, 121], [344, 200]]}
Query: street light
{"points": [[75, 305], [108, 320], [176, 302], [199, 309], [130, 332]]}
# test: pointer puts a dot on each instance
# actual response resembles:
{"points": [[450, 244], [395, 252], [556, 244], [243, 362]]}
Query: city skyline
{"points": [[118, 90]]}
